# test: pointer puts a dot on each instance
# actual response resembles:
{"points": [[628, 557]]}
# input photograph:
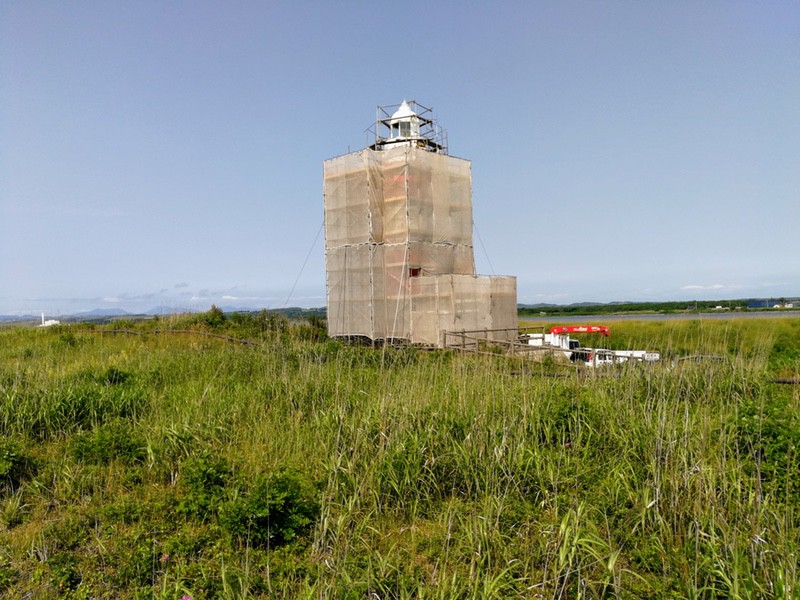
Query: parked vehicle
{"points": [[558, 338]]}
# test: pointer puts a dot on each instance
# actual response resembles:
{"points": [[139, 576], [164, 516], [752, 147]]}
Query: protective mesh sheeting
{"points": [[368, 292], [394, 166], [432, 311], [472, 303], [398, 240], [504, 306], [459, 217], [390, 295], [347, 214], [458, 303], [349, 291], [439, 198], [375, 196], [441, 259], [395, 196]]}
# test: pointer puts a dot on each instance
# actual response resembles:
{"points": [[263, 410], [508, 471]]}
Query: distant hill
{"points": [[13, 318]]}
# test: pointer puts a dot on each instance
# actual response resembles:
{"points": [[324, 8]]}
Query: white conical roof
{"points": [[404, 112]]}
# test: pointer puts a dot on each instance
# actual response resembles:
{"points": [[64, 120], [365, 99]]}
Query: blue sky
{"points": [[170, 153]]}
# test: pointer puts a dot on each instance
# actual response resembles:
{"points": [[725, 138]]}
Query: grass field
{"points": [[164, 463]]}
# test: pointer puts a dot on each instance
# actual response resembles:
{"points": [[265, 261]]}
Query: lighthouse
{"points": [[398, 239]]}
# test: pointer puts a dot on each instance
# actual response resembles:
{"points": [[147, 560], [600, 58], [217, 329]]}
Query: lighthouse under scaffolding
{"points": [[398, 240]]}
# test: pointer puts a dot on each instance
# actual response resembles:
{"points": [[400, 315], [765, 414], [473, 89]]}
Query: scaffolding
{"points": [[409, 120], [398, 242]]}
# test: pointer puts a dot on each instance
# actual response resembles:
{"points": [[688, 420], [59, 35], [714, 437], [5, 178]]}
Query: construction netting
{"points": [[394, 218], [483, 307]]}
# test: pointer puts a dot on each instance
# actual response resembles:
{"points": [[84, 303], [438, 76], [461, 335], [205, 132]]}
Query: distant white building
{"points": [[49, 322]]}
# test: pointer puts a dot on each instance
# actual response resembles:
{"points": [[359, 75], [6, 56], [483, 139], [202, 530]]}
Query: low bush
{"points": [[785, 352], [16, 465], [213, 319], [114, 376], [278, 508], [203, 480], [65, 575], [768, 438], [117, 440]]}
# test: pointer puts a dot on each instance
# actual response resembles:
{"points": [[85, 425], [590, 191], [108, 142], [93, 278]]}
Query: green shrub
{"points": [[114, 376], [204, 478], [214, 318], [68, 533], [271, 321], [768, 436], [134, 557], [64, 570], [117, 440], [785, 353], [15, 465], [8, 576], [254, 324], [125, 511], [277, 509], [68, 339], [314, 331]]}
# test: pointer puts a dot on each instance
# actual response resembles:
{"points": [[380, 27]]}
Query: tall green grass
{"points": [[169, 464]]}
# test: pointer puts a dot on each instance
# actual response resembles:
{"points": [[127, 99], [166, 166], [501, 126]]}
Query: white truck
{"points": [[558, 338]]}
